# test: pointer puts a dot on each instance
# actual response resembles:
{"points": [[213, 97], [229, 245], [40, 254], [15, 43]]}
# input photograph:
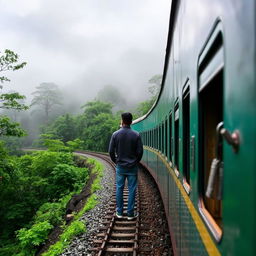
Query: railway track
{"points": [[120, 236]]}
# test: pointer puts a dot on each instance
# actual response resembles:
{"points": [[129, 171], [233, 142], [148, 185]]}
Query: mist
{"points": [[84, 45]]}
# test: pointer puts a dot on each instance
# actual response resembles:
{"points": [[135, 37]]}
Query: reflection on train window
{"points": [[211, 106], [170, 137], [156, 137], [159, 138], [176, 137], [165, 136], [149, 142], [151, 138], [162, 149], [186, 134]]}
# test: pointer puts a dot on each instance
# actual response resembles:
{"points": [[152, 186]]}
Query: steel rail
{"points": [[118, 235]]}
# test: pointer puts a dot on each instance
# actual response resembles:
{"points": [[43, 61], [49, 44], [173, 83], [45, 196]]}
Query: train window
{"points": [[162, 126], [211, 72], [148, 138], [159, 138], [165, 136], [151, 138], [176, 139], [211, 115], [155, 138], [170, 137], [186, 136], [157, 143]]}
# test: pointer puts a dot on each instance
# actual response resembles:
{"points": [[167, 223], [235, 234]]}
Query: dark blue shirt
{"points": [[125, 147]]}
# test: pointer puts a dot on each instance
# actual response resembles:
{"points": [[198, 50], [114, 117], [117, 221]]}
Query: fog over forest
{"points": [[67, 71], [84, 45], [86, 50]]}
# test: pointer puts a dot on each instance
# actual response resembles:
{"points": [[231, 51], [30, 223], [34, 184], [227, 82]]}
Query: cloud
{"points": [[84, 45]]}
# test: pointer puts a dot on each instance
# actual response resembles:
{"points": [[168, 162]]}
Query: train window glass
{"points": [[186, 134], [148, 138], [162, 137], [159, 138], [170, 137], [166, 137], [210, 85], [211, 107], [155, 138], [151, 137], [176, 138]]}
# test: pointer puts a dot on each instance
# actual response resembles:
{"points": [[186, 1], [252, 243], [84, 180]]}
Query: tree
{"points": [[96, 124], [64, 128], [155, 82], [154, 88], [9, 62], [111, 94], [47, 95], [93, 108]]}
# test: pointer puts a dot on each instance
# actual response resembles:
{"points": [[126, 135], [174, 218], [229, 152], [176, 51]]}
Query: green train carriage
{"points": [[206, 110]]}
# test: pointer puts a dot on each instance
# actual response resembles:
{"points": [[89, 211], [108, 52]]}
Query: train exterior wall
{"points": [[194, 26]]}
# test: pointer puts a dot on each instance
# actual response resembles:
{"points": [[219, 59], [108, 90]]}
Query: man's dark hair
{"points": [[127, 118]]}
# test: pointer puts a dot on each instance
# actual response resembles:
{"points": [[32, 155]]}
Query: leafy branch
{"points": [[8, 61]]}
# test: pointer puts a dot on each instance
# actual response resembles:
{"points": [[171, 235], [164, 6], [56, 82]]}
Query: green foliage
{"points": [[8, 61], [74, 229], [13, 144], [145, 106], [31, 185], [29, 238], [55, 145], [77, 226], [11, 101], [75, 144], [44, 161], [101, 128], [94, 108], [9, 128], [51, 212], [66, 178], [97, 123], [63, 128]]}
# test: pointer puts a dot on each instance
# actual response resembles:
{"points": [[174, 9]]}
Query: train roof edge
{"points": [[168, 47]]}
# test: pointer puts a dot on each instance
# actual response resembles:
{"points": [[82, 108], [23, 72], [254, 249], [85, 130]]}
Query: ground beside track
{"points": [[156, 239]]}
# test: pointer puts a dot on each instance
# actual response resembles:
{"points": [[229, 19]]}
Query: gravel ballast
{"points": [[93, 219]]}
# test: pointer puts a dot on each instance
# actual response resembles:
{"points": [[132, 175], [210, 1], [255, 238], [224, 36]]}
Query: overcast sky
{"points": [[83, 45]]}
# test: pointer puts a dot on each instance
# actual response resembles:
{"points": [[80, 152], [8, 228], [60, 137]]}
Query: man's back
{"points": [[125, 147]]}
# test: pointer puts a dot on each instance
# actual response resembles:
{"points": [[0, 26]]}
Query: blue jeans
{"points": [[121, 175]]}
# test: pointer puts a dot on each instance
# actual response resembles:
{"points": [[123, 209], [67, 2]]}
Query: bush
{"points": [[30, 238], [51, 212], [65, 178]]}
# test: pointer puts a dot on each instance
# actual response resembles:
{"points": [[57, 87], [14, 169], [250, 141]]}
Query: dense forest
{"points": [[37, 184]]}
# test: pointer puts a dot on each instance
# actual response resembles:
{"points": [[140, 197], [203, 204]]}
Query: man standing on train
{"points": [[126, 150]]}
